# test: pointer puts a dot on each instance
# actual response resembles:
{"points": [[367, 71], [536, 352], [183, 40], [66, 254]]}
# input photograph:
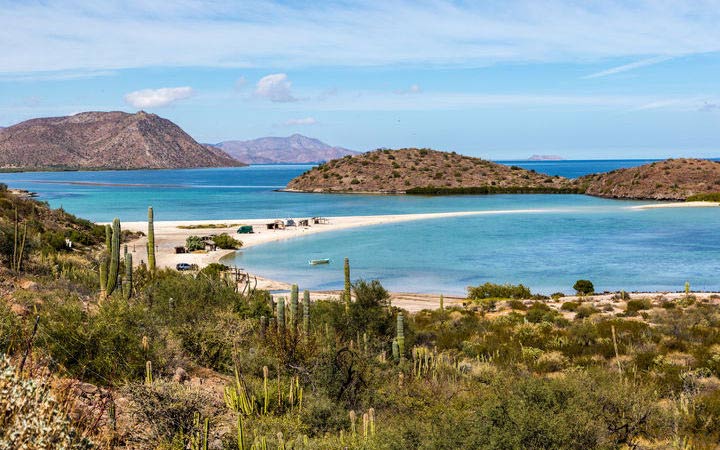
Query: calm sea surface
{"points": [[573, 237]]}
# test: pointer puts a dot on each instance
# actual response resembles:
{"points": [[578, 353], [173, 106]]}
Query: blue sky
{"points": [[500, 80]]}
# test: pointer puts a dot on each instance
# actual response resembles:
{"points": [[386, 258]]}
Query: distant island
{"points": [[431, 172], [295, 149], [105, 140], [546, 158]]}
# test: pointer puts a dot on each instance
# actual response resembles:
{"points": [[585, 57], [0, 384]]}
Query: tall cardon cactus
{"points": [[151, 241], [346, 293], [114, 265], [293, 306]]}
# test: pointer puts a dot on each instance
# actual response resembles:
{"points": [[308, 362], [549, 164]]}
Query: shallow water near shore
{"points": [[573, 237]]}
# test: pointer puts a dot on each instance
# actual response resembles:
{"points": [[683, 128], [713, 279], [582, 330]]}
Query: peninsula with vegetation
{"points": [[431, 172], [105, 141]]}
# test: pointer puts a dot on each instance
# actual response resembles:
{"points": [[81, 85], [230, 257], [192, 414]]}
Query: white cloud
{"points": [[276, 88], [303, 121], [627, 67], [155, 98], [82, 35]]}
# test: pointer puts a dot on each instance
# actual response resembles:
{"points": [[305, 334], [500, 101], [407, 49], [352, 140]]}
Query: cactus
{"points": [[353, 418], [266, 391], [347, 285], [371, 416], [395, 351], [241, 434], [148, 372], [281, 314], [294, 307], [128, 275], [306, 313], [19, 244], [687, 288], [442, 303], [108, 239], [238, 398], [103, 277], [114, 258], [199, 439], [151, 241], [366, 424], [401, 335]]}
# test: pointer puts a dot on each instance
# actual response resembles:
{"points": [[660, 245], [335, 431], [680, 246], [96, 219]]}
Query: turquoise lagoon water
{"points": [[574, 237]]}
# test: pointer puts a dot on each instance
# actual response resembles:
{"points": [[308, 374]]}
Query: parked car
{"points": [[183, 266]]}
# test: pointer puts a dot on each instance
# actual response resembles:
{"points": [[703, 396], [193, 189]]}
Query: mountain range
{"points": [[295, 149], [105, 140]]}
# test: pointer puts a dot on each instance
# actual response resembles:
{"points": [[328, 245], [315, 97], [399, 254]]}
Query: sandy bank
{"points": [[677, 205]]}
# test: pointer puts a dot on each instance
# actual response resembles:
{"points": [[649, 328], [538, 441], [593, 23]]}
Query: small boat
{"points": [[315, 262]]}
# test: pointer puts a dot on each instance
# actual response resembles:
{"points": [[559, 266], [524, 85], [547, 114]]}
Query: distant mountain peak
{"points": [[293, 149]]}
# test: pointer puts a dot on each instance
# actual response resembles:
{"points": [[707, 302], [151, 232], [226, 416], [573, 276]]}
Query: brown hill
{"points": [[672, 179], [105, 140], [295, 149], [423, 171]]}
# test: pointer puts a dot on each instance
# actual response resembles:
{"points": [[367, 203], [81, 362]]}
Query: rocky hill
{"points": [[672, 179], [295, 149], [104, 140], [423, 171]]}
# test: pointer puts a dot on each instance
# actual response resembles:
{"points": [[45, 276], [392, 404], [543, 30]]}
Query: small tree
{"points": [[584, 287]]}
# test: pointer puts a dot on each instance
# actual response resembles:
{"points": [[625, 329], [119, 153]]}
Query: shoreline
{"points": [[168, 235]]}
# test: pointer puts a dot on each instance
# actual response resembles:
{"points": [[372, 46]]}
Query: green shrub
{"points": [[584, 287], [570, 306], [633, 306], [492, 290], [194, 243], [517, 305], [708, 197], [227, 242], [584, 311]]}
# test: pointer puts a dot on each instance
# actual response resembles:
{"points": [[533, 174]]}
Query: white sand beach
{"points": [[678, 205]]}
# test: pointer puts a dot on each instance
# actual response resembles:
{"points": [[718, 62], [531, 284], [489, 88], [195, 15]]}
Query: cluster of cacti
{"points": [[294, 307], [151, 241], [200, 436], [238, 397], [368, 424], [346, 292], [110, 263]]}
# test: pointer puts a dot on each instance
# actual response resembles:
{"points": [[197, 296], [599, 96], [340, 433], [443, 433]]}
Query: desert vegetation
{"points": [[173, 360]]}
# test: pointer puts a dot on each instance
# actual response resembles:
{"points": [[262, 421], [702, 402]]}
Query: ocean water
{"points": [[573, 237]]}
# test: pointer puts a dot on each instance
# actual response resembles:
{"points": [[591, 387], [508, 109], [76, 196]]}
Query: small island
{"points": [[425, 171]]}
